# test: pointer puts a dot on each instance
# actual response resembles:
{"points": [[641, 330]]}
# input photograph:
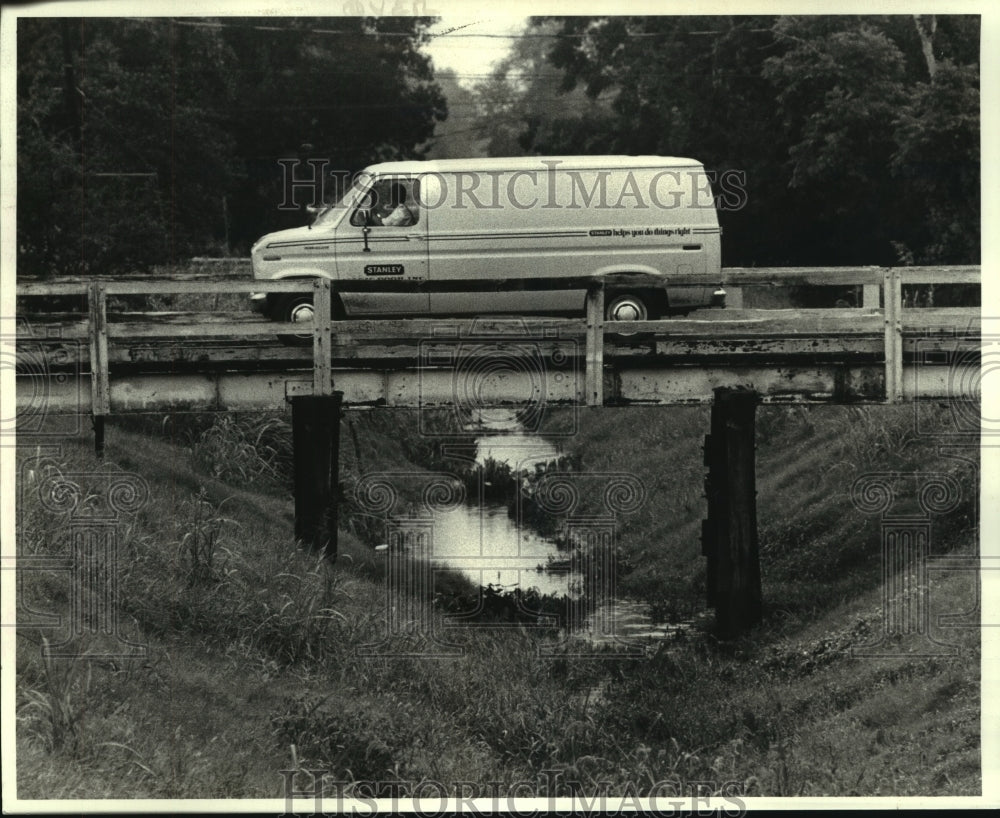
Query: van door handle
{"points": [[415, 236]]}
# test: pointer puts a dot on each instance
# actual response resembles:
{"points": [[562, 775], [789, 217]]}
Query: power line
{"points": [[402, 106], [314, 70], [634, 35], [443, 74]]}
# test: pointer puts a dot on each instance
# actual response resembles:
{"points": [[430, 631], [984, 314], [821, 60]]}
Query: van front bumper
{"points": [[258, 303]]}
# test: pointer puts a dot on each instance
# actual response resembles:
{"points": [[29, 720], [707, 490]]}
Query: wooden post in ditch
{"points": [[729, 535], [316, 438], [98, 423], [316, 453], [100, 391]]}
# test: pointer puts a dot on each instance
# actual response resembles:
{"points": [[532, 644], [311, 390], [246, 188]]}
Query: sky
{"points": [[471, 45]]}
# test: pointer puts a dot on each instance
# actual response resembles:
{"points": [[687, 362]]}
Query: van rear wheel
{"points": [[628, 307]]}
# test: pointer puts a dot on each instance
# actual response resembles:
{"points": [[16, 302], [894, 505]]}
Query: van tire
{"points": [[291, 308], [630, 307]]}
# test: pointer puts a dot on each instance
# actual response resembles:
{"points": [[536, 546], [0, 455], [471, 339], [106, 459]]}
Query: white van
{"points": [[528, 217]]}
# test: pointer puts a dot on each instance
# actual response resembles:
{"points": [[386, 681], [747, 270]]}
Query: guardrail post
{"points": [[316, 458], [594, 379], [729, 535], [322, 336], [100, 390], [893, 296]]}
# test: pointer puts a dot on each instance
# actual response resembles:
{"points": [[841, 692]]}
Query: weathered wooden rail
{"points": [[104, 361], [204, 361]]}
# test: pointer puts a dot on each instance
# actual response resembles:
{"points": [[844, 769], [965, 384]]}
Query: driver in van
{"points": [[395, 212]]}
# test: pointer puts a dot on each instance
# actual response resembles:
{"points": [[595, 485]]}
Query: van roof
{"points": [[533, 163]]}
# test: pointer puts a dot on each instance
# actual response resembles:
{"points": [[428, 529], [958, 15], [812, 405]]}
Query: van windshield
{"points": [[331, 212]]}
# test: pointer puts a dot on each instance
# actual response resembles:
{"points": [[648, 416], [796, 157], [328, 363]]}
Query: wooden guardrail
{"points": [[879, 333]]}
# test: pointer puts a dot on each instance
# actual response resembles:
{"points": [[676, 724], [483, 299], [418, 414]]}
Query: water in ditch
{"points": [[483, 542]]}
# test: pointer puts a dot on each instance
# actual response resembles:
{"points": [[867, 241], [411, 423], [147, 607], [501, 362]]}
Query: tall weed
{"points": [[202, 530], [61, 702], [251, 450]]}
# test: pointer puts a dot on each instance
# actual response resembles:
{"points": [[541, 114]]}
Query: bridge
{"points": [[225, 361], [108, 358]]}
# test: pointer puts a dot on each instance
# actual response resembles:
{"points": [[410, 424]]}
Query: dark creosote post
{"points": [[729, 535], [98, 423], [316, 451], [100, 391]]}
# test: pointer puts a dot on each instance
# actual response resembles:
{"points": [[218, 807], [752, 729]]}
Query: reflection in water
{"points": [[518, 451], [478, 541], [487, 546]]}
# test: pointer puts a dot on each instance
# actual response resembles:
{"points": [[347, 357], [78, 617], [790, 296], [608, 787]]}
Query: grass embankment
{"points": [[830, 723], [253, 665]]}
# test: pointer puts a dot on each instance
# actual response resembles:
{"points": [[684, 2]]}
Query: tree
{"points": [[937, 162], [124, 166], [839, 86], [685, 86], [926, 25], [526, 108], [890, 157], [349, 91], [144, 141], [834, 122], [462, 134]]}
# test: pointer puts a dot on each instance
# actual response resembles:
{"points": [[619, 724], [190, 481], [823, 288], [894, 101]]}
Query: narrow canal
{"points": [[481, 531]]}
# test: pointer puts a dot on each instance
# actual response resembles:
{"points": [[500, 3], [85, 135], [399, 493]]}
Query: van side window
{"points": [[389, 203]]}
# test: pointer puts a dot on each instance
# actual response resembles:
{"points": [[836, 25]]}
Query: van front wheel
{"points": [[294, 309], [627, 307], [297, 308]]}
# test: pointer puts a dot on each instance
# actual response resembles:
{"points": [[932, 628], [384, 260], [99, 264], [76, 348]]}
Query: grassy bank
{"points": [[253, 664], [817, 549]]}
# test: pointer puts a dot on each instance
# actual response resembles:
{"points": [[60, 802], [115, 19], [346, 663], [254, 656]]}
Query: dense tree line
{"points": [[143, 141], [150, 140], [858, 136]]}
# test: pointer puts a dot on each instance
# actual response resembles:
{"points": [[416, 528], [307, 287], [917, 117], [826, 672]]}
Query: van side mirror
{"points": [[361, 217]]}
